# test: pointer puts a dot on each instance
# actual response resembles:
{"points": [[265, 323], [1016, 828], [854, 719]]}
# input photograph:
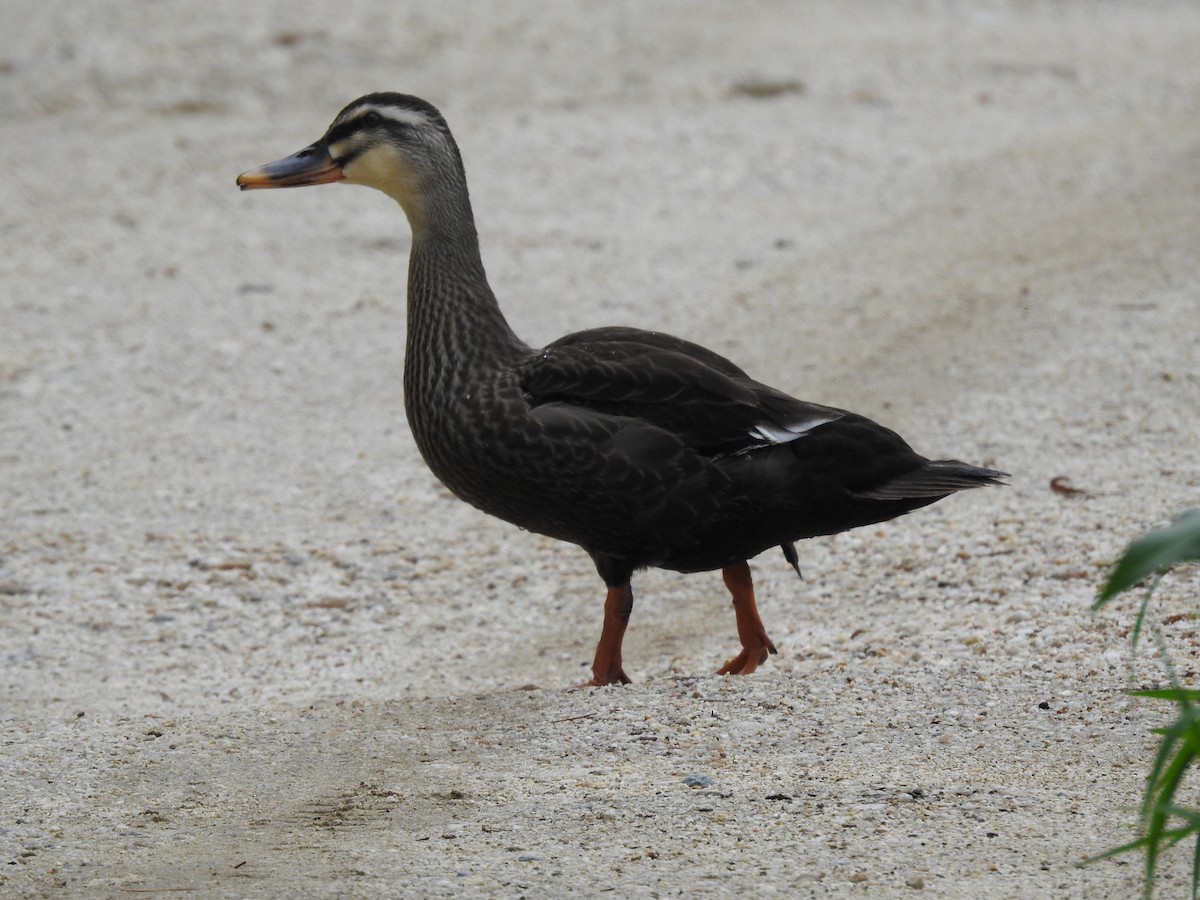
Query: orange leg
{"points": [[755, 643], [606, 669]]}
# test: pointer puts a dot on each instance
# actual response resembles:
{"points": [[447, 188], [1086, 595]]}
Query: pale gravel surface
{"points": [[251, 649]]}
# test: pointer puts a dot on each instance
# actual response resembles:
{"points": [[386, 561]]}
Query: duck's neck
{"points": [[456, 331]]}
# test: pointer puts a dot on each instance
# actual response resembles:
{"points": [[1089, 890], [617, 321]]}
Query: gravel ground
{"points": [[250, 647]]}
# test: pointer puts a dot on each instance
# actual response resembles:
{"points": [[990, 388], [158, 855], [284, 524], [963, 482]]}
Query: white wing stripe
{"points": [[782, 434]]}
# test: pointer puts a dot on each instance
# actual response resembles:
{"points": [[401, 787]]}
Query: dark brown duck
{"points": [[642, 448]]}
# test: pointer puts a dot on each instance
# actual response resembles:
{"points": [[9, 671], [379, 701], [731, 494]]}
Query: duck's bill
{"points": [[312, 165]]}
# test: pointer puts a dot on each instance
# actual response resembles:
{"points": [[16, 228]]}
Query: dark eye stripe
{"points": [[342, 131], [369, 119]]}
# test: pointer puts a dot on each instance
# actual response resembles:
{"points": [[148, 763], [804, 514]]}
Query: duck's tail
{"points": [[936, 478]]}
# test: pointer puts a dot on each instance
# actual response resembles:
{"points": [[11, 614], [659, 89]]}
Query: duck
{"points": [[644, 449]]}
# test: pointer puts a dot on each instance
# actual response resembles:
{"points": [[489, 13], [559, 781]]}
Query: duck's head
{"points": [[395, 143]]}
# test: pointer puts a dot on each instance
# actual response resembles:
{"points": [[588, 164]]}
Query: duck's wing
{"points": [[703, 399], [636, 337]]}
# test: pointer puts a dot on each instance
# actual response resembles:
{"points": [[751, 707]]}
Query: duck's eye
{"points": [[372, 118]]}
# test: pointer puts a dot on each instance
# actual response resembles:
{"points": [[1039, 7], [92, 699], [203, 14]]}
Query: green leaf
{"points": [[1153, 552], [1179, 745], [1177, 694]]}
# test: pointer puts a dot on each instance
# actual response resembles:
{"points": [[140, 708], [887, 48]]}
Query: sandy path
{"points": [[251, 649]]}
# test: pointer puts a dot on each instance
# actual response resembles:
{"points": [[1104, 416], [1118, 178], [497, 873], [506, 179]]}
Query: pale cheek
{"points": [[362, 170], [370, 170], [373, 171]]}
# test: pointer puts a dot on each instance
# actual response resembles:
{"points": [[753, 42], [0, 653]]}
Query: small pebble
{"points": [[916, 882], [696, 781]]}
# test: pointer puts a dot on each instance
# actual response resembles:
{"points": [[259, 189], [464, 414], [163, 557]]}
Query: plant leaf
{"points": [[1179, 695], [1152, 552]]}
